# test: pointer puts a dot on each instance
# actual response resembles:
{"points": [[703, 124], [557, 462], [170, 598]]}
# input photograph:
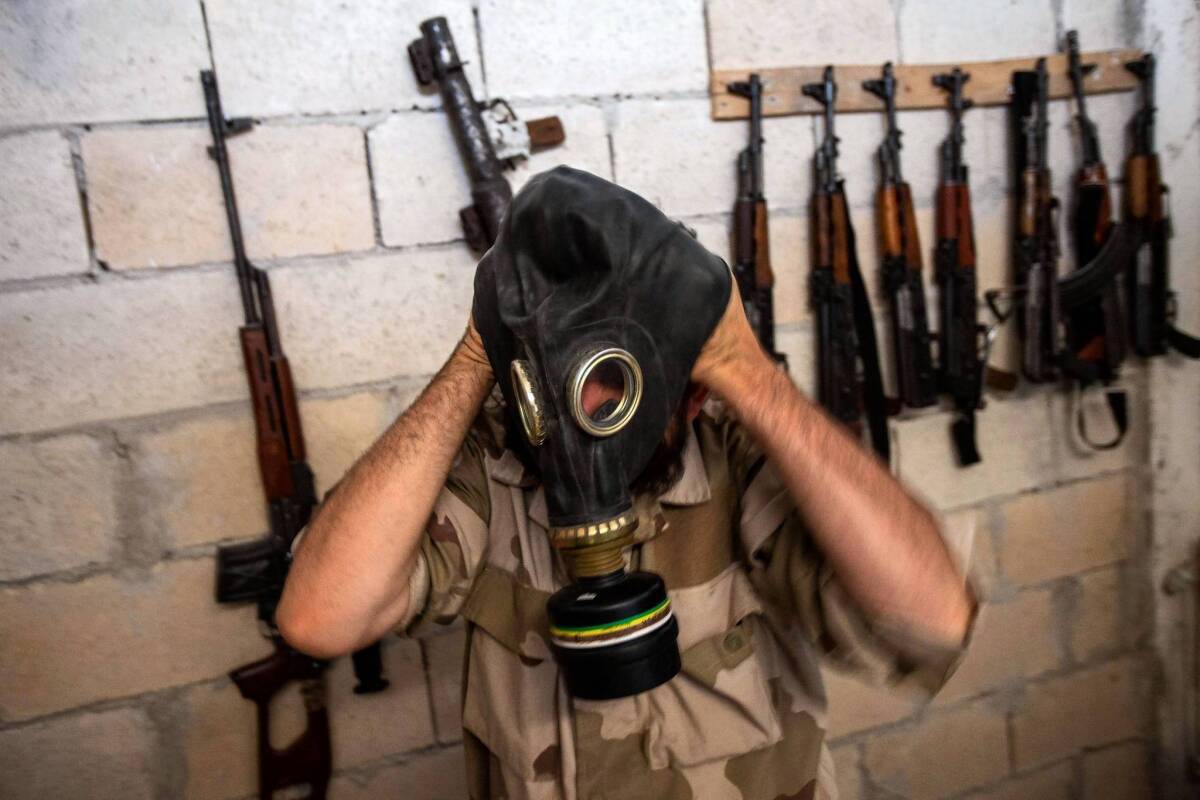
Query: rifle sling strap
{"points": [[868, 350], [1184, 343]]}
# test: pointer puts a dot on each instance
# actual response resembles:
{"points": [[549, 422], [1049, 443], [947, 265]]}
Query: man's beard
{"points": [[665, 467]]}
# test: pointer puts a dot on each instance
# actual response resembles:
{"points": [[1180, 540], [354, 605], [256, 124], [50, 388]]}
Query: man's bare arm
{"points": [[348, 584], [883, 544]]}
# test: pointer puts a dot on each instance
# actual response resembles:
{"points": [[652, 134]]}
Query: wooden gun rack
{"points": [[989, 85]]}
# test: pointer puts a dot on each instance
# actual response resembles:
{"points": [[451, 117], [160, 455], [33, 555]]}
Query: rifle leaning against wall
{"points": [[255, 571], [751, 245], [487, 145], [848, 377], [900, 248], [1151, 301], [961, 367]]}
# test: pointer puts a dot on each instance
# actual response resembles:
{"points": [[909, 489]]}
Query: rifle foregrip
{"points": [[912, 240], [891, 237], [272, 447], [764, 278], [291, 409]]}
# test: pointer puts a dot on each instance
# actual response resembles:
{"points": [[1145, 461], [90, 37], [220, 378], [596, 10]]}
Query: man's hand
{"points": [[731, 346], [882, 542]]}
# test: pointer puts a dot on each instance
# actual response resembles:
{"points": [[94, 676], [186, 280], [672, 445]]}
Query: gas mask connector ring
{"points": [[611, 421], [529, 403]]}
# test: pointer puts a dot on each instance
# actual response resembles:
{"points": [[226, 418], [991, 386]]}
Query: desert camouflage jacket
{"points": [[757, 606]]}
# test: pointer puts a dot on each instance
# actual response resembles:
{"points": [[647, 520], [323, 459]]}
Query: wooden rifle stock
{"points": [[308, 760]]}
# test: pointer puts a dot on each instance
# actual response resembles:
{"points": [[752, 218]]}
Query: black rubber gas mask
{"points": [[593, 307]]}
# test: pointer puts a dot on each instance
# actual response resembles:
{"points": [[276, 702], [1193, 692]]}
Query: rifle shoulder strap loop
{"points": [[1117, 401], [868, 351]]}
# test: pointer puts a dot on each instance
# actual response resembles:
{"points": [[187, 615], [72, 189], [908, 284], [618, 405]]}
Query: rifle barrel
{"points": [[218, 127]]}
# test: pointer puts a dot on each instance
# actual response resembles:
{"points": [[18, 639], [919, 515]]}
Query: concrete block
{"points": [[201, 480], [849, 772], [428, 776], [396, 720], [923, 454], [994, 29], [338, 430], [1056, 532], [105, 754], [66, 647], [1085, 709], [370, 319], [970, 747], [675, 156], [1103, 24], [1098, 624], [1012, 641], [58, 510], [789, 259], [444, 655], [1052, 783], [41, 220], [969, 538], [77, 61], [119, 349], [855, 706], [155, 200], [761, 33], [221, 742], [1119, 771], [420, 182], [315, 58], [600, 48]]}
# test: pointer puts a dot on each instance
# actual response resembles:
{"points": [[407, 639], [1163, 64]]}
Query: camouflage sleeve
{"points": [[789, 569], [452, 551]]}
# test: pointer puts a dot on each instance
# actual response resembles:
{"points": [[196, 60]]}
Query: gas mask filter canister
{"points": [[593, 307]]}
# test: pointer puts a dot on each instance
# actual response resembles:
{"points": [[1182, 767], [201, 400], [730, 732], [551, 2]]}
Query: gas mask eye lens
{"points": [[529, 403], [604, 391]]}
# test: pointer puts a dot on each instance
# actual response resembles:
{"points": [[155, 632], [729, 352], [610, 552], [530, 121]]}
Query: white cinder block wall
{"points": [[126, 445]]}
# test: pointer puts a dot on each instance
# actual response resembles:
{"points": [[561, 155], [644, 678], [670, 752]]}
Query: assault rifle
{"points": [[1151, 301], [751, 247], [900, 248], [961, 371], [255, 571], [1095, 330], [1036, 248], [845, 330], [487, 146]]}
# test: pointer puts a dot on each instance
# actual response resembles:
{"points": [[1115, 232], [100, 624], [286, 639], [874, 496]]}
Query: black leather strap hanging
{"points": [[874, 402]]}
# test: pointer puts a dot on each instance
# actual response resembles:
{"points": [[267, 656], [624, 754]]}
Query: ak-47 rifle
{"points": [[848, 377], [1151, 301], [255, 571], [751, 247], [486, 150], [900, 248], [1095, 329], [1036, 233], [961, 368]]}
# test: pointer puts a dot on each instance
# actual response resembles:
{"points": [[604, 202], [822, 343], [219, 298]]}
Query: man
{"points": [[779, 538]]}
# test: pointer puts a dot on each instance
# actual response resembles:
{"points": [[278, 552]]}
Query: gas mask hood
{"points": [[593, 307]]}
